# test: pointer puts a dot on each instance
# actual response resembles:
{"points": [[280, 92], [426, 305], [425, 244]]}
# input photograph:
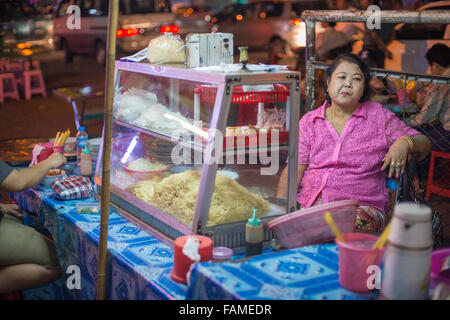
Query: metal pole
{"points": [[386, 16], [109, 85], [310, 71]]}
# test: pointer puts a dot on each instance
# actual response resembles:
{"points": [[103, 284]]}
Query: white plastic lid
{"points": [[412, 211]]}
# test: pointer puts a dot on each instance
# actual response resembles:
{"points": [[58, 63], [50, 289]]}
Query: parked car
{"points": [[412, 41], [24, 30], [193, 19], [258, 23], [139, 21]]}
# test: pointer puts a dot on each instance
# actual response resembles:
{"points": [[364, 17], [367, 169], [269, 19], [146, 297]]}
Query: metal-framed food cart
{"points": [[194, 101]]}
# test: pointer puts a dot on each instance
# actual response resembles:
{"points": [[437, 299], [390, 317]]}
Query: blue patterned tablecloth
{"points": [[306, 273], [139, 265]]}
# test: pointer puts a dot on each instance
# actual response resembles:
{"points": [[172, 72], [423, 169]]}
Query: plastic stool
{"points": [[8, 81], [34, 76], [432, 188], [31, 65]]}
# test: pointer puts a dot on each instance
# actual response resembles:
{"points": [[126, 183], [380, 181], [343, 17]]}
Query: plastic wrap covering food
{"points": [[167, 48], [141, 108], [177, 195]]}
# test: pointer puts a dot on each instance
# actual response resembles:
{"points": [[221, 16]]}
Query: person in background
{"points": [[353, 30], [277, 50], [374, 48], [346, 145], [434, 115], [27, 259], [329, 41]]}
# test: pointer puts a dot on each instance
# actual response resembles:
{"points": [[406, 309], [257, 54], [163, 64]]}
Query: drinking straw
{"points": [[55, 143], [383, 238], [333, 227]]}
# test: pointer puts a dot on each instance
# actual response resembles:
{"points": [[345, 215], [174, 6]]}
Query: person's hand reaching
{"points": [[12, 209], [56, 160]]}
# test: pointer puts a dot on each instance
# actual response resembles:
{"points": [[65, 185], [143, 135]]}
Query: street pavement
{"points": [[43, 117]]}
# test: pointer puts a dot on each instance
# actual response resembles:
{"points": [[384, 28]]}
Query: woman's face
{"points": [[346, 85]]}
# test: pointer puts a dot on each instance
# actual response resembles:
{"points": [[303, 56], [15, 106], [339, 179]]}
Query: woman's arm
{"points": [[283, 183], [22, 179]]}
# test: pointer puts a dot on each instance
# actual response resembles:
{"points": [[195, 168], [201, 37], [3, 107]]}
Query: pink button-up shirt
{"points": [[348, 166]]}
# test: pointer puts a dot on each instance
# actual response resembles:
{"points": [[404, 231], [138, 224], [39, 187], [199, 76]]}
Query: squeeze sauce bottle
{"points": [[254, 236], [86, 162]]}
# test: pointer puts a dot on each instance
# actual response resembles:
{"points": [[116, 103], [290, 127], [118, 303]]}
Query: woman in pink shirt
{"points": [[346, 144]]}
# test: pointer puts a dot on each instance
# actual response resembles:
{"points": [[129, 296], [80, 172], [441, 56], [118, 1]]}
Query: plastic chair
{"points": [[431, 186], [34, 77], [8, 87]]}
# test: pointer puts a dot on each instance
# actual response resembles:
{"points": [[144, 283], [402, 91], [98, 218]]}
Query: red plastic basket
{"points": [[279, 94]]}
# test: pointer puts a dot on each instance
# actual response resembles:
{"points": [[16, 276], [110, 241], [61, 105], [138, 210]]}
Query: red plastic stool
{"points": [[34, 77], [433, 188]]}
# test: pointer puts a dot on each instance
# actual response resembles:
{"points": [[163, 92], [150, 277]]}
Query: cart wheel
{"points": [[100, 53]]}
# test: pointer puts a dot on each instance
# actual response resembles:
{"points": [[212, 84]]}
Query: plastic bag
{"points": [[167, 48], [71, 188]]}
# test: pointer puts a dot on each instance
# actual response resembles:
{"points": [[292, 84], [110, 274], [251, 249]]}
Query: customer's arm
{"points": [[22, 179], [283, 183]]}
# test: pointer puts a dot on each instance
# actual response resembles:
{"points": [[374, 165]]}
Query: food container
{"points": [[221, 254], [308, 226], [46, 152], [58, 149], [357, 259], [88, 207], [182, 263], [69, 146], [144, 175], [48, 179]]}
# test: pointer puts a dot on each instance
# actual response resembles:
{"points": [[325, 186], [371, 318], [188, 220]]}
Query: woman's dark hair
{"points": [[352, 58]]}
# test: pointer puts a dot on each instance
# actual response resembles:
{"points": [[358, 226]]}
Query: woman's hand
{"points": [[12, 209], [56, 160], [396, 158]]}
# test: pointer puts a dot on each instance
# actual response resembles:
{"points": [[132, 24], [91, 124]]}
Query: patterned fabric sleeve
{"points": [[395, 128], [5, 171], [304, 144]]}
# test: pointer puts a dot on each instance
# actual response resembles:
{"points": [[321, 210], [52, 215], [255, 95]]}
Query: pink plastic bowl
{"points": [[308, 226], [437, 257], [144, 175]]}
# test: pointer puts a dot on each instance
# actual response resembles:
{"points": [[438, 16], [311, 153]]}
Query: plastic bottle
{"points": [[254, 236], [81, 138], [86, 162]]}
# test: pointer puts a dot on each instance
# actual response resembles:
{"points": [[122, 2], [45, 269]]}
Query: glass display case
{"points": [[194, 151]]}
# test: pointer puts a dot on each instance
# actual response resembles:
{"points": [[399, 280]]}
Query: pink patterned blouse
{"points": [[348, 166]]}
